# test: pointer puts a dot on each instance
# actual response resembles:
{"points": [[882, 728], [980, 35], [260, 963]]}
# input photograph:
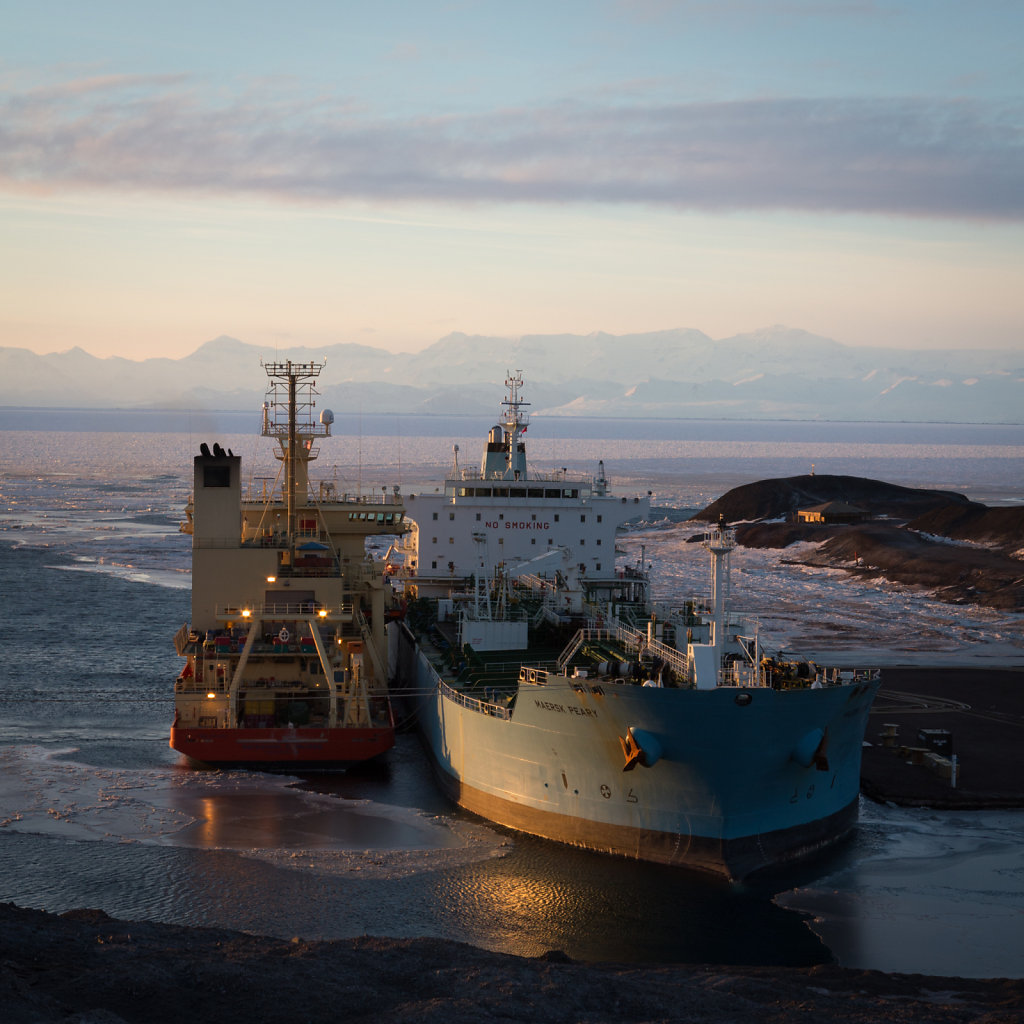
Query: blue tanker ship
{"points": [[556, 700]]}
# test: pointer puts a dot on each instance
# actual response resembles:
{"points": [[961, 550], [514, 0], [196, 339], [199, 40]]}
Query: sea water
{"points": [[96, 810]]}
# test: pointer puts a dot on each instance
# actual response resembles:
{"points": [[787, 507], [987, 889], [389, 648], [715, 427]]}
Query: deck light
{"points": [[271, 579], [246, 613], [210, 696], [323, 613]]}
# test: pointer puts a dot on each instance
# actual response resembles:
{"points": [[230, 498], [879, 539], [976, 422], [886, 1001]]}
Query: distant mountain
{"points": [[775, 373]]}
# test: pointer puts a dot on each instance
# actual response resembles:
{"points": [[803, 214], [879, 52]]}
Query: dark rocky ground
{"points": [[87, 968], [955, 573], [781, 498], [962, 551]]}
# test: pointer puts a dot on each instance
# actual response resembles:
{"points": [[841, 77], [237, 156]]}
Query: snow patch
{"points": [[896, 383]]}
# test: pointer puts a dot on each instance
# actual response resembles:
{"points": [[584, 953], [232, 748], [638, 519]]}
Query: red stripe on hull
{"points": [[280, 747]]}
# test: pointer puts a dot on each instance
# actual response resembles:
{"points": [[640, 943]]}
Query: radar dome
{"points": [[326, 417]]}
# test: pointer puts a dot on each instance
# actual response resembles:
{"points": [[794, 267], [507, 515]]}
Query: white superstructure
{"points": [[504, 515]]}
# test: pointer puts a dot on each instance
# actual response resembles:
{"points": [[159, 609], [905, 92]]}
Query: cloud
{"points": [[953, 159]]}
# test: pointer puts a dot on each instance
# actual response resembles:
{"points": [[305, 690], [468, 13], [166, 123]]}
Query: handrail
{"points": [[676, 659], [301, 609], [630, 638], [582, 636], [483, 707], [274, 498]]}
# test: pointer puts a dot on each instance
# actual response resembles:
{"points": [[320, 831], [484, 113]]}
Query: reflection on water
{"points": [[253, 852], [525, 904], [290, 820], [543, 896], [378, 851]]}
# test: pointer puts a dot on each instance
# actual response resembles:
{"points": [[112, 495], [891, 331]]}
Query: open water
{"points": [[96, 810]]}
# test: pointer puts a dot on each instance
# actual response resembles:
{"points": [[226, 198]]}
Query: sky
{"points": [[388, 173]]}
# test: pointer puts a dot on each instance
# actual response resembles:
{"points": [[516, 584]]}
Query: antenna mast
{"points": [[288, 418], [515, 424]]}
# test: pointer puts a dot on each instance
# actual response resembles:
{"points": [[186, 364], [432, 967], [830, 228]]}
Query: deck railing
{"points": [[296, 610], [483, 707]]}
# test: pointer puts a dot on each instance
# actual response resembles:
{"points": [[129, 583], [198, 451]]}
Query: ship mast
{"points": [[515, 424], [719, 543], [289, 463], [288, 418]]}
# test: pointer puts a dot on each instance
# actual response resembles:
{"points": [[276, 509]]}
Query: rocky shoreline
{"points": [[83, 967], [961, 551]]}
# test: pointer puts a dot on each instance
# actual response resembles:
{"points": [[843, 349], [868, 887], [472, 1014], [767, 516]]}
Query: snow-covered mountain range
{"points": [[775, 373]]}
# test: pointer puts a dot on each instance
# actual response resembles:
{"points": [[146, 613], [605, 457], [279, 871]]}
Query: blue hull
{"points": [[735, 780]]}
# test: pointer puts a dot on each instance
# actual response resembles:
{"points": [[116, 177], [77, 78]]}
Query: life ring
{"points": [[284, 635]]}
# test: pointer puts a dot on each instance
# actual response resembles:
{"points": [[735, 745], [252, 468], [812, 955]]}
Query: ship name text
{"points": [[562, 709]]}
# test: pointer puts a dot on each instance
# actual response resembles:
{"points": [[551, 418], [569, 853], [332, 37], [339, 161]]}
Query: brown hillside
{"points": [[781, 498], [958, 573], [1002, 527], [962, 551]]}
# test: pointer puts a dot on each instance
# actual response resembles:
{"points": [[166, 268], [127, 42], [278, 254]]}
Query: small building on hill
{"points": [[831, 513]]}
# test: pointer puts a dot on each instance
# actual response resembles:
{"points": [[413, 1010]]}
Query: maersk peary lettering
{"points": [[562, 709], [512, 525]]}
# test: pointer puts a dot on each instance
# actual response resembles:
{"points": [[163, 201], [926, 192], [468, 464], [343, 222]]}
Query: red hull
{"points": [[281, 747]]}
